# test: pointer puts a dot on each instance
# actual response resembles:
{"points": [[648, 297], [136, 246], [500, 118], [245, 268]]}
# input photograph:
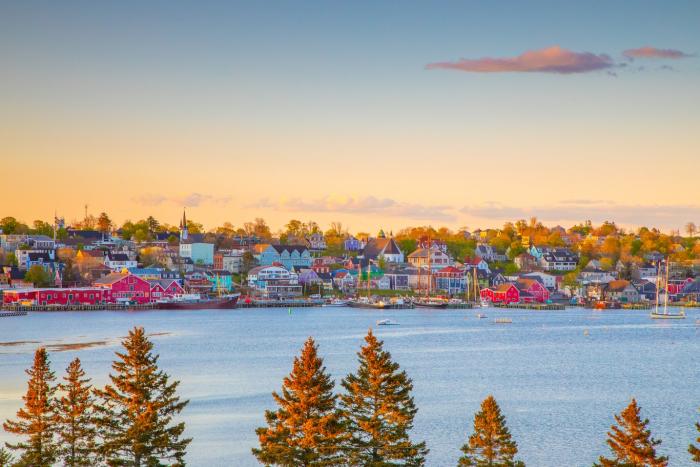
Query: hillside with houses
{"points": [[95, 261]]}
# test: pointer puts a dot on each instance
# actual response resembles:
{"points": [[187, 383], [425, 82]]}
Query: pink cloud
{"points": [[550, 60], [653, 52]]}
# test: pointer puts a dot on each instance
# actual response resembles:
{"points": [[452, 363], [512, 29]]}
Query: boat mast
{"points": [[666, 293], [658, 284], [430, 268], [369, 274]]}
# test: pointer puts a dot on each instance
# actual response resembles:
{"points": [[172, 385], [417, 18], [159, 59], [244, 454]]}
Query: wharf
{"points": [[460, 306], [534, 306], [104, 307], [12, 313], [279, 303]]}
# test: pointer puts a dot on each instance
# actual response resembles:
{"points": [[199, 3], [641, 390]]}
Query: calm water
{"points": [[557, 386]]}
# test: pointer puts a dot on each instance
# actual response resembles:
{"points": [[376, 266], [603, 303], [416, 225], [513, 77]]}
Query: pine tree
{"points": [[76, 418], [135, 418], [631, 442], [491, 444], [695, 450], [6, 459], [378, 411], [306, 429], [37, 419]]}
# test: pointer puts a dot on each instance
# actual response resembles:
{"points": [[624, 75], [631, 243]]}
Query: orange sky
{"points": [[304, 119]]}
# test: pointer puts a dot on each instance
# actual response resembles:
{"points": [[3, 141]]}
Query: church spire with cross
{"points": [[183, 226]]}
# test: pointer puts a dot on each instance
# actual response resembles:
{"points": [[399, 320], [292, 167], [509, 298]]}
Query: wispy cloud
{"points": [[188, 200], [653, 52], [549, 60], [367, 205], [660, 215]]}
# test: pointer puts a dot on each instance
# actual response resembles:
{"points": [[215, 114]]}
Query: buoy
{"points": [[585, 332]]}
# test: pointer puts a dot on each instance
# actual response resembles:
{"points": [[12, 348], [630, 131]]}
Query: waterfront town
{"points": [[95, 262]]}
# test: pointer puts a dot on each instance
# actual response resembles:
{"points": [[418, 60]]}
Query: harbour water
{"points": [[558, 376]]}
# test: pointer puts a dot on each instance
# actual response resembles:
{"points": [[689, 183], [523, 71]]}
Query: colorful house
{"points": [[534, 288], [165, 288], [504, 293], [450, 279], [56, 296], [126, 287], [288, 256]]}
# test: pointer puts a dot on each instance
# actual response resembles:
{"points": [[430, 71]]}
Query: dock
{"points": [[23, 309], [534, 306], [460, 306], [12, 313], [262, 303]]}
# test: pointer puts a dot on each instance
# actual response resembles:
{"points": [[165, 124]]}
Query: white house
{"points": [[274, 282], [118, 261], [438, 258]]}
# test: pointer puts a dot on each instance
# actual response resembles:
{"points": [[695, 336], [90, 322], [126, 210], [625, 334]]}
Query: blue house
{"points": [[352, 244], [288, 256], [221, 281]]}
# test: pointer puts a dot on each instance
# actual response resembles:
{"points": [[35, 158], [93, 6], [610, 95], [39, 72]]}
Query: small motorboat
{"points": [[481, 316], [337, 302], [503, 321], [387, 322]]}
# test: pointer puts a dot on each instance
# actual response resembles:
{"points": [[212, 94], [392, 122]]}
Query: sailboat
{"points": [[665, 313], [428, 301]]}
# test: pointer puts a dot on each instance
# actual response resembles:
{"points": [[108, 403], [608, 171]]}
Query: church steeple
{"points": [[183, 226]]}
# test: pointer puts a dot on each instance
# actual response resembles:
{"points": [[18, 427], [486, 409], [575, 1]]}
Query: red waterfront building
{"points": [[533, 288], [58, 296], [126, 287], [165, 288], [504, 293]]}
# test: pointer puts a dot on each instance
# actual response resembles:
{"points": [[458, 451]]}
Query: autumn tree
{"points": [[135, 416], [37, 419], [695, 450], [104, 223], [491, 444], [305, 430], [76, 426], [39, 276], [631, 442], [378, 411]]}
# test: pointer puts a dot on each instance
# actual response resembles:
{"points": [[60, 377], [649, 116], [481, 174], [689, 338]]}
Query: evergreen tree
{"points": [[378, 411], [135, 419], [695, 450], [491, 444], [6, 459], [37, 419], [76, 418], [306, 429], [631, 442]]}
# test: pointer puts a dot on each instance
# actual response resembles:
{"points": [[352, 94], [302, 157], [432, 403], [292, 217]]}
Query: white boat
{"points": [[387, 322], [503, 321], [665, 314], [484, 304], [481, 316], [337, 302]]}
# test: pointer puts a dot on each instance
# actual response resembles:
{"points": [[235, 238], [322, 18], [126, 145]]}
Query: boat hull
{"points": [[667, 316], [430, 305], [227, 303]]}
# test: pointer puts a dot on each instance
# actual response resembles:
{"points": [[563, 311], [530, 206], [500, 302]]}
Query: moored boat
{"points": [[387, 322], [430, 303], [196, 302]]}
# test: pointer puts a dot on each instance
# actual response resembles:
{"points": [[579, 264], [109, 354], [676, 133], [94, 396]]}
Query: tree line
{"points": [[369, 423], [129, 422]]}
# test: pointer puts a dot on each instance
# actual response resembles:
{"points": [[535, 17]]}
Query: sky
{"points": [[378, 114]]}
